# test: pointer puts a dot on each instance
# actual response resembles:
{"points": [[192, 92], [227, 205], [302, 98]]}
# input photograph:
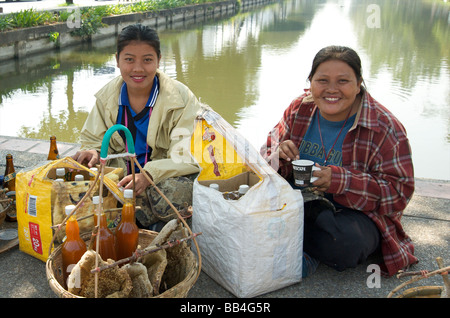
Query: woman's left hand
{"points": [[141, 183], [324, 178]]}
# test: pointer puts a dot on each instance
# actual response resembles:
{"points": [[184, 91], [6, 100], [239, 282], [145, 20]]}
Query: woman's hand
{"points": [[324, 178], [91, 157], [141, 182], [288, 151]]}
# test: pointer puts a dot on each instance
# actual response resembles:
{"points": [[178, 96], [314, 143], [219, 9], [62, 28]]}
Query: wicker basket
{"points": [[422, 292], [55, 273]]}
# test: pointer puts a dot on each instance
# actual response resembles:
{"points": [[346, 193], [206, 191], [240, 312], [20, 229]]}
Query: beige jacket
{"points": [[169, 133]]}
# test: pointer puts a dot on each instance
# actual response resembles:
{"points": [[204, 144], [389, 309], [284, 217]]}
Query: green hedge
{"points": [[91, 17]]}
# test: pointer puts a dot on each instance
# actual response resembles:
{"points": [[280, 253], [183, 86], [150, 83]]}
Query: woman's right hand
{"points": [[288, 151], [91, 157]]}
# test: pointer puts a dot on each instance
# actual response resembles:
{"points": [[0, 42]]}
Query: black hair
{"points": [[340, 53], [138, 32]]}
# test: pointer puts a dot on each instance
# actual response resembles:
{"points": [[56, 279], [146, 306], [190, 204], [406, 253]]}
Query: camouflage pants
{"points": [[154, 208]]}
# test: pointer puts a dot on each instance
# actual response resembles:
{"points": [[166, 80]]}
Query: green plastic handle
{"points": [[107, 137]]}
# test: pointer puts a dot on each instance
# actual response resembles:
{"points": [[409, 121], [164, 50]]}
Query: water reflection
{"points": [[249, 68]]}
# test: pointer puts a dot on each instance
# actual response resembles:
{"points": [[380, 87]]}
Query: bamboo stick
{"points": [[141, 252]]}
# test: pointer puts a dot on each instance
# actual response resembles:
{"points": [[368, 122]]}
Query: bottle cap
{"points": [[93, 169], [59, 180], [128, 193], [79, 177], [215, 186], [243, 188], [60, 171], [69, 209], [95, 200]]}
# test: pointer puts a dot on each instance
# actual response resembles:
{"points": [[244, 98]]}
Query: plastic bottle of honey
{"points": [[107, 240], [53, 152], [127, 232], [73, 247]]}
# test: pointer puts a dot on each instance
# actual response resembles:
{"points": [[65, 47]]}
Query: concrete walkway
{"points": [[426, 220]]}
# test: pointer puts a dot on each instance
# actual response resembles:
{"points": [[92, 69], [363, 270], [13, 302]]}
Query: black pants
{"points": [[340, 239]]}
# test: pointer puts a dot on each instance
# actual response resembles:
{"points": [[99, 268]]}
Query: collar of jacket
{"points": [[168, 100]]}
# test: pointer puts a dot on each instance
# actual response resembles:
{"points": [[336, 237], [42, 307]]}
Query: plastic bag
{"points": [[252, 245]]}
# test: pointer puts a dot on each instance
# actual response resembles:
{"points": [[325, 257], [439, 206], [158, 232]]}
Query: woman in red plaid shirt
{"points": [[366, 170]]}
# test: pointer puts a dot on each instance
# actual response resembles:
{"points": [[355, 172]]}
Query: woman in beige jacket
{"points": [[160, 113]]}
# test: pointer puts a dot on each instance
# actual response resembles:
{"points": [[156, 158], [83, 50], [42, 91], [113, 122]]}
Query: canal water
{"points": [[251, 66]]}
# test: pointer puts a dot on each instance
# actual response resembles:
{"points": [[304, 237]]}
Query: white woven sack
{"points": [[253, 245]]}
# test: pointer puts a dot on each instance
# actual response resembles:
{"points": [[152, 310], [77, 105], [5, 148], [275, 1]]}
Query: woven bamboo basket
{"points": [[55, 274], [54, 262]]}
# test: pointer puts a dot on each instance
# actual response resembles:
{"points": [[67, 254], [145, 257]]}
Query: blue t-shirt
{"points": [[137, 123], [311, 145]]}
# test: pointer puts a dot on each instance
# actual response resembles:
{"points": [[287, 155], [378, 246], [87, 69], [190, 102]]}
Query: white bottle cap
{"points": [[243, 188], [128, 193], [60, 171], [95, 199], [59, 180], [215, 186], [93, 169], [69, 209], [79, 177]]}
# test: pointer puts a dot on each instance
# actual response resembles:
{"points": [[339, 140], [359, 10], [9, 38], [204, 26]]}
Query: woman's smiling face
{"points": [[334, 87], [138, 62]]}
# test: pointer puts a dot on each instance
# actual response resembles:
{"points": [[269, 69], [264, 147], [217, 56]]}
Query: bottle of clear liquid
{"points": [[73, 247], [107, 240], [127, 232], [53, 152]]}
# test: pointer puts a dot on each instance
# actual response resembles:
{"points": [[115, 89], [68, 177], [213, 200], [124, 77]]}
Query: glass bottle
{"points": [[214, 186], [53, 153], [9, 182], [73, 247], [127, 232], [107, 240]]}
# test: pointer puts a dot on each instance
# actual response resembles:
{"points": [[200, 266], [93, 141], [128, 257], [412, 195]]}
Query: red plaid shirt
{"points": [[376, 176]]}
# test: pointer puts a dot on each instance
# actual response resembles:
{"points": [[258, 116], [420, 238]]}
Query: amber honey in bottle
{"points": [[73, 247], [53, 153], [107, 240], [127, 232], [9, 182]]}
